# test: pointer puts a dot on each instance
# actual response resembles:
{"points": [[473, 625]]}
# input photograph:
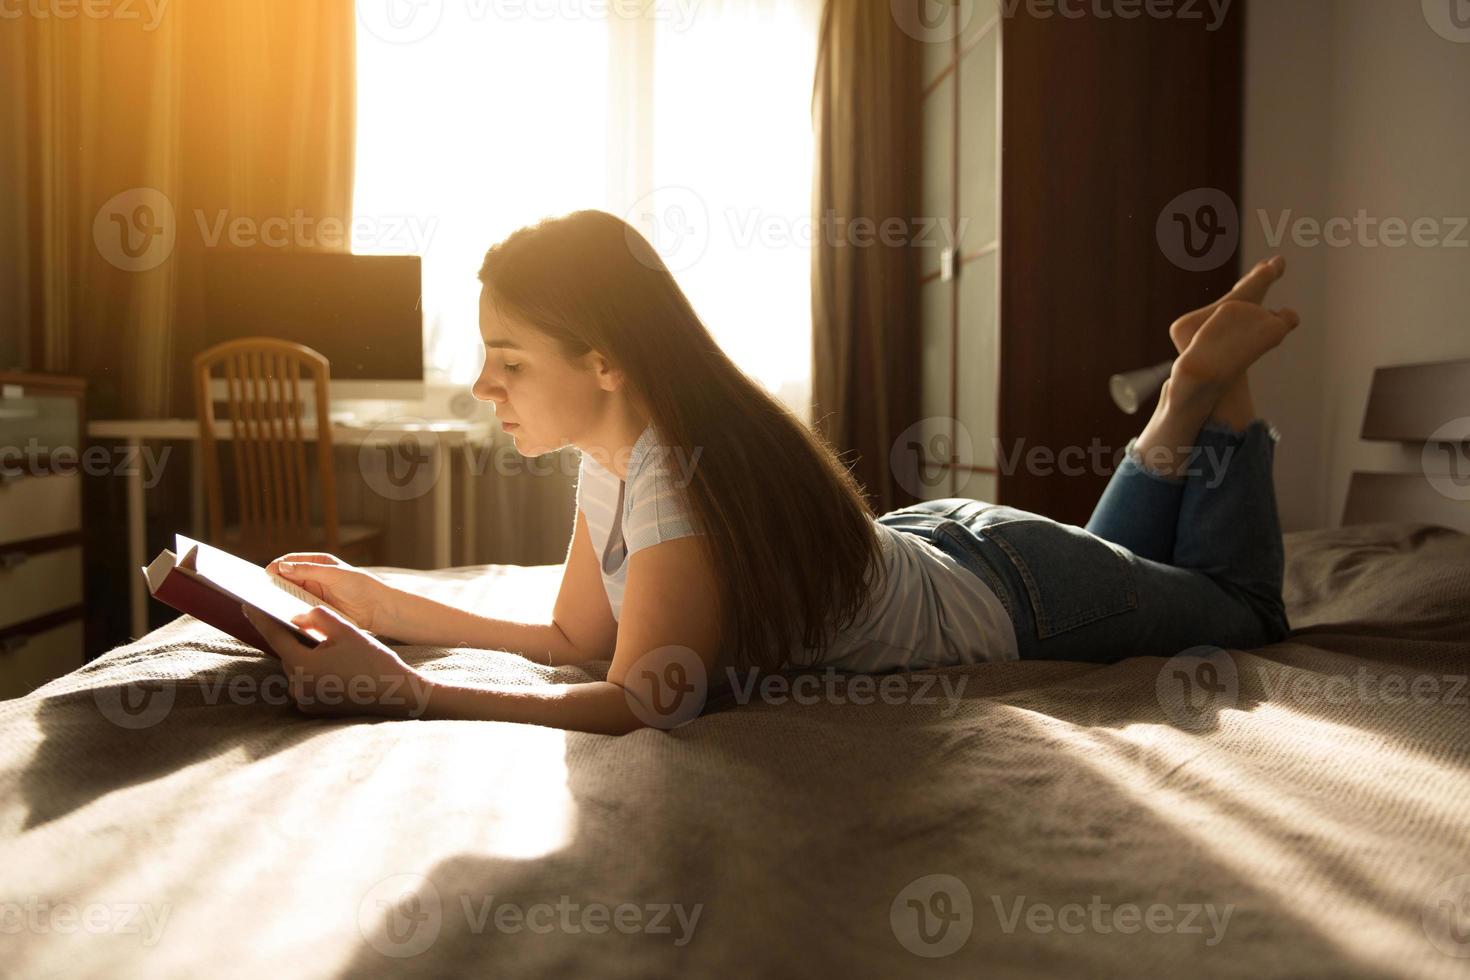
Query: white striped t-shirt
{"points": [[927, 610]]}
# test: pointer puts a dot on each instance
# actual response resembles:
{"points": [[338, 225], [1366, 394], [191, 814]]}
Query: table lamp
{"points": [[1132, 389]]}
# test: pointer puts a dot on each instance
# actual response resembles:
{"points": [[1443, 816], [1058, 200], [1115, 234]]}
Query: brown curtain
{"points": [[865, 297], [144, 130]]}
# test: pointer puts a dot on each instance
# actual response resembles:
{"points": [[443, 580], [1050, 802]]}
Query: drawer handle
{"points": [[12, 560], [13, 644]]}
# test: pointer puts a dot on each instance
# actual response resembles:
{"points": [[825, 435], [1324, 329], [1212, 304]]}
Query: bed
{"points": [[164, 814]]}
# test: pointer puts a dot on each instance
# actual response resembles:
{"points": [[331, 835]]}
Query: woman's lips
{"points": [[507, 426]]}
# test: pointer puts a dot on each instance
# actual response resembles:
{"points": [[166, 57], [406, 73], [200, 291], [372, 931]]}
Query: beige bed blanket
{"points": [[162, 814]]}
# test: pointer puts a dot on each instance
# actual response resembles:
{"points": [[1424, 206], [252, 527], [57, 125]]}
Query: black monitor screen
{"points": [[361, 312]]}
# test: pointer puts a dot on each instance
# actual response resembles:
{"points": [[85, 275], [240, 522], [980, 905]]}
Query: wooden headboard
{"points": [[1425, 406]]}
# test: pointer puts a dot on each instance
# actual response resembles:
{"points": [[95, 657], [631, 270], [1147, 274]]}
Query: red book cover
{"points": [[211, 585]]}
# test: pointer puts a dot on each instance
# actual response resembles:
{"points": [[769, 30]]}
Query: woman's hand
{"points": [[360, 596], [349, 673]]}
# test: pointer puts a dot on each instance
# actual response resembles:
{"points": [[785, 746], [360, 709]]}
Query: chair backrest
{"points": [[264, 380]]}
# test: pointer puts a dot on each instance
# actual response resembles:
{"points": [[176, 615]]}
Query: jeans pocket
{"points": [[1072, 577]]}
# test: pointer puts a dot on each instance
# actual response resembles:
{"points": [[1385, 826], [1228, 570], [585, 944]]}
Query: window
{"points": [[689, 118]]}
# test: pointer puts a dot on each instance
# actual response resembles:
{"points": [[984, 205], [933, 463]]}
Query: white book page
{"points": [[247, 581]]}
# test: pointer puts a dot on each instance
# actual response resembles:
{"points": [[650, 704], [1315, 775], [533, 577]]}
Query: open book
{"points": [[211, 585]]}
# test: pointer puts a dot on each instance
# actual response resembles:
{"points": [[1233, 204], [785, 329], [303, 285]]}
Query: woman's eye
{"points": [[512, 368]]}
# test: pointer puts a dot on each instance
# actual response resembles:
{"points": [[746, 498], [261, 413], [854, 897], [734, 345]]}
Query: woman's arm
{"points": [[660, 675], [666, 649], [582, 627]]}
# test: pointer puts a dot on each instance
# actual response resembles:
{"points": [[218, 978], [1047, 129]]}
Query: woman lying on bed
{"points": [[715, 534]]}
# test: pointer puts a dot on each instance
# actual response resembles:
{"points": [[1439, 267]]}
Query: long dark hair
{"points": [[787, 528]]}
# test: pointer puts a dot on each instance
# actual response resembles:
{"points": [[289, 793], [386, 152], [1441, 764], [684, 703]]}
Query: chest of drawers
{"points": [[42, 460]]}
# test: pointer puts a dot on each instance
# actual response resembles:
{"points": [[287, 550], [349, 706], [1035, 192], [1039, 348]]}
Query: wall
{"points": [[1353, 105]]}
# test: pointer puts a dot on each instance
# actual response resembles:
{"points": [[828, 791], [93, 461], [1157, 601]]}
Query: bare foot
{"points": [[1234, 337], [1252, 288]]}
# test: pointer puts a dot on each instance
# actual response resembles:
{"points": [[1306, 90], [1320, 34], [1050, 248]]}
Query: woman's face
{"points": [[545, 400]]}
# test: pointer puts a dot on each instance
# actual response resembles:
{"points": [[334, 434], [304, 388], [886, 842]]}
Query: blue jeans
{"points": [[1164, 564]]}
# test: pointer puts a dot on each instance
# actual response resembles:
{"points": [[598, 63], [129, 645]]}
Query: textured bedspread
{"points": [[1298, 810]]}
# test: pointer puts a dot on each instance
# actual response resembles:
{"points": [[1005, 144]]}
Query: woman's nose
{"points": [[488, 391]]}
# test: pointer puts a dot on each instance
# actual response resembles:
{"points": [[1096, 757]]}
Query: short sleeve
{"points": [[659, 504]]}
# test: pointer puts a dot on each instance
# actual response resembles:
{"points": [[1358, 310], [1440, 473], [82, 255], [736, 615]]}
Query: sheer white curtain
{"points": [[689, 118]]}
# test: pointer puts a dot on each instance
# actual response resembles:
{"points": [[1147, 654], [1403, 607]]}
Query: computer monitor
{"points": [[362, 312]]}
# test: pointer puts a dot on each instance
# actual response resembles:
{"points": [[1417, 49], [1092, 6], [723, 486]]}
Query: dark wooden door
{"points": [[1105, 122]]}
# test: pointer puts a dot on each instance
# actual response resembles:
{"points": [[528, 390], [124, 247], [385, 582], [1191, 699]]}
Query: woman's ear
{"points": [[609, 377]]}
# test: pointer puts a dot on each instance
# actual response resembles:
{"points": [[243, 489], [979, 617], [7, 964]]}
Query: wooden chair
{"points": [[264, 381]]}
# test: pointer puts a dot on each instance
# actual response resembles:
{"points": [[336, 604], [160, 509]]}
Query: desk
{"points": [[446, 436]]}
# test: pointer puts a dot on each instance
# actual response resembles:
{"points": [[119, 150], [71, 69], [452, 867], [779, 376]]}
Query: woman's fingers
{"points": [[303, 558], [281, 641], [320, 619], [1289, 315]]}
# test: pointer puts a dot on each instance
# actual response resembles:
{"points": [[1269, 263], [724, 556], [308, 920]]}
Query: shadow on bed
{"points": [[1324, 819]]}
